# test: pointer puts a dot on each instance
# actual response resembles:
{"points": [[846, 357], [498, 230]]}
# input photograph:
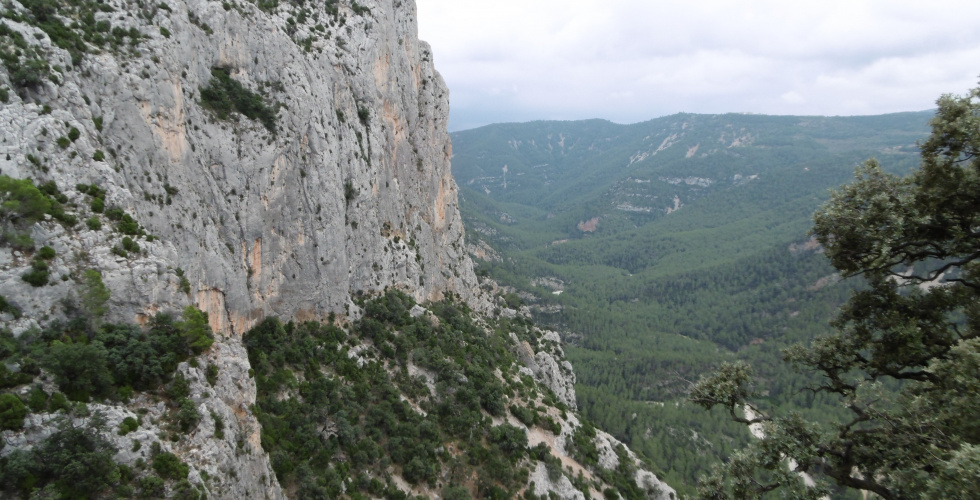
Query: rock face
{"points": [[547, 364], [347, 191], [352, 192]]}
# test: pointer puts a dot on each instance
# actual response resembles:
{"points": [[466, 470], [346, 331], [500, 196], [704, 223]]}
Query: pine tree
{"points": [[905, 361]]}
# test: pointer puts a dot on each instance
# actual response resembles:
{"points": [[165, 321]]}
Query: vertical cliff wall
{"points": [[351, 191], [347, 190], [251, 159]]}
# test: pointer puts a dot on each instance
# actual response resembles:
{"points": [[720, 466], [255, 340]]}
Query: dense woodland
{"points": [[700, 254]]}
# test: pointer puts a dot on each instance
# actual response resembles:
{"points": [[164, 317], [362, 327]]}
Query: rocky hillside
{"points": [[174, 173]]}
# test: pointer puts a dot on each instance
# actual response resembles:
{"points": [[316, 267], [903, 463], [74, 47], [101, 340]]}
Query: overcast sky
{"points": [[633, 60]]}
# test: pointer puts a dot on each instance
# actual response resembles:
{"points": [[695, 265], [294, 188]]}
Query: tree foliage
{"points": [[905, 360], [74, 462], [21, 202], [225, 94], [12, 412], [93, 296]]}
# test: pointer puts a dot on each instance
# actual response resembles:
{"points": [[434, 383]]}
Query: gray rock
{"points": [[351, 194], [563, 488], [559, 377], [417, 311]]}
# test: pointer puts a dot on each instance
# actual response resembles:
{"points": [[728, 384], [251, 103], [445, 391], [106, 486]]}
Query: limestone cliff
{"points": [[321, 174], [351, 192]]}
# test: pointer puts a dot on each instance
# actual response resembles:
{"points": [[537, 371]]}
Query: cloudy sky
{"points": [[633, 60]]}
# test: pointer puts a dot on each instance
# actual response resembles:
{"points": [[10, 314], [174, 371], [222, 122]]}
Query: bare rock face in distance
{"points": [[351, 192]]}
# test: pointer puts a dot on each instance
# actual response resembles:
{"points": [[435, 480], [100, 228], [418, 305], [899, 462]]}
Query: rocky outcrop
{"points": [[560, 485], [231, 458], [351, 193], [547, 364], [347, 191]]}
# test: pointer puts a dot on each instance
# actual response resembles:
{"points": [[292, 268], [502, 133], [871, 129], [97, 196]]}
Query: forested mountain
{"points": [[662, 248]]}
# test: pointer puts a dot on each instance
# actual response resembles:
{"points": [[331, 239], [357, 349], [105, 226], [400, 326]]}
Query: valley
{"points": [[661, 249]]}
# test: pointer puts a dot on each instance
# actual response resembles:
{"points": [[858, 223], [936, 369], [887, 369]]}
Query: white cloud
{"points": [[632, 60], [792, 97]]}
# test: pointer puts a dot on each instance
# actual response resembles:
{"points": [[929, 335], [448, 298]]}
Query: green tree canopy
{"points": [[93, 296], [21, 202], [196, 330], [905, 361]]}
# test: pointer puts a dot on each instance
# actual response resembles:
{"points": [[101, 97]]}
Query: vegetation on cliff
{"points": [[427, 397]]}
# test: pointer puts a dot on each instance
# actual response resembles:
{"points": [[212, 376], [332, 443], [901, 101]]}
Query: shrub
{"points": [[38, 275], [152, 487], [184, 490], [179, 388], [93, 295], [63, 142], [165, 32], [195, 329], [549, 424], [185, 284], [511, 440], [37, 400], [212, 375], [11, 379], [98, 155], [97, 205], [58, 402], [46, 253], [94, 223], [128, 225], [18, 240], [527, 416], [168, 466], [23, 203], [74, 134], [129, 245], [114, 213], [76, 461], [7, 307], [350, 192], [129, 424], [12, 412], [188, 416], [513, 300], [359, 9], [224, 95], [28, 73], [219, 425]]}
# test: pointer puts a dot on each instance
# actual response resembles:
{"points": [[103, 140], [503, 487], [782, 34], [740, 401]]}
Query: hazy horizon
{"points": [[629, 61], [521, 122]]}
